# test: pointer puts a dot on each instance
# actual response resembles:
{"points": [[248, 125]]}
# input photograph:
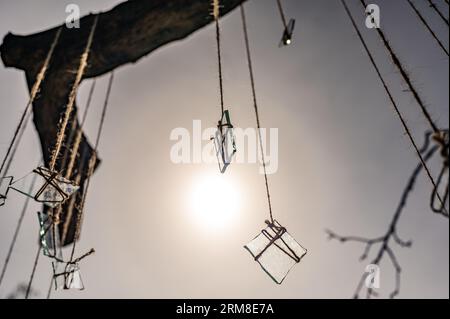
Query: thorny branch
{"points": [[391, 235]]}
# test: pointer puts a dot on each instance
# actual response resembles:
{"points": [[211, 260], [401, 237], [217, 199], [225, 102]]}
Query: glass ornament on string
{"points": [[50, 188], [69, 278], [49, 237], [286, 39], [224, 142], [276, 251]]}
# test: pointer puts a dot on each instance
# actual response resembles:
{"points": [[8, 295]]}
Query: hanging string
{"points": [[68, 174], [283, 17], [72, 96], [91, 166], [36, 261], [79, 134], [16, 145], [255, 105], [405, 76], [17, 230], [67, 143], [433, 5], [70, 207], [427, 26], [12, 148], [216, 14], [73, 154], [74, 151], [65, 119], [391, 98], [49, 291]]}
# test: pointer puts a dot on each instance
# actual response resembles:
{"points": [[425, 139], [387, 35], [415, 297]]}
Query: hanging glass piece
{"points": [[51, 188], [73, 278], [276, 251], [69, 279], [58, 275], [287, 34], [224, 142], [5, 183], [49, 237]]}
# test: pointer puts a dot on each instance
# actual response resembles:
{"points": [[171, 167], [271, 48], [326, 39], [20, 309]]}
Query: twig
{"points": [[391, 233]]}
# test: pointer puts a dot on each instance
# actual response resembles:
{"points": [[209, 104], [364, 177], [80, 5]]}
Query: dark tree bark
{"points": [[124, 34]]}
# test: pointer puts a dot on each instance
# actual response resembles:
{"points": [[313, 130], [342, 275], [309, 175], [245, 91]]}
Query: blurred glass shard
{"points": [[73, 277], [287, 33], [5, 183], [276, 251], [224, 142], [70, 278], [49, 236], [58, 275], [50, 188]]}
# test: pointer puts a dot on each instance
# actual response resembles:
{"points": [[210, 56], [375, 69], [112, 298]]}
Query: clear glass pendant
{"points": [[276, 251], [49, 237], [287, 33], [70, 278], [50, 188], [224, 142]]}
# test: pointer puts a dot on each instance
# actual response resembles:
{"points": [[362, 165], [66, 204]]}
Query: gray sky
{"points": [[343, 157]]}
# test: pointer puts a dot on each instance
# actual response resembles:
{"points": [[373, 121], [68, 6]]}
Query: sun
{"points": [[214, 202]]}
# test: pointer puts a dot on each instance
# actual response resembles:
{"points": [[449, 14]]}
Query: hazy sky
{"points": [[343, 157]]}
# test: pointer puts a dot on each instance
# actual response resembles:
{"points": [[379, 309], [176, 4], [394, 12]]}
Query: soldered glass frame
{"points": [[224, 142], [276, 251], [51, 189]]}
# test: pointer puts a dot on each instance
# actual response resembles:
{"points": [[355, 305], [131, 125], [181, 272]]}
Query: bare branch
{"points": [[398, 271], [390, 233], [401, 242]]}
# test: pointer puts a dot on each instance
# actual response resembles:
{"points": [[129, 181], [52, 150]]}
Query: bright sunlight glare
{"points": [[214, 202]]}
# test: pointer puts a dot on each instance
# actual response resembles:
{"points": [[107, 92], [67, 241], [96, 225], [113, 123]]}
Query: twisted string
{"points": [[73, 154], [65, 120], [427, 26], [216, 13], [283, 17], [435, 8], [72, 96], [33, 272], [74, 151], [79, 134], [17, 230], [69, 213], [255, 105], [405, 76], [91, 166], [391, 98], [20, 129]]}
